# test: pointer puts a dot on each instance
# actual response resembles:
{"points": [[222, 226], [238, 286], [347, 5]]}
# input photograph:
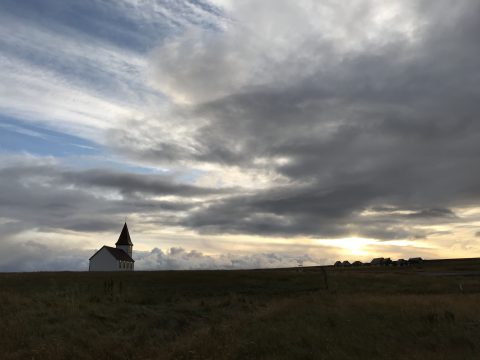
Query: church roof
{"points": [[124, 238], [118, 254]]}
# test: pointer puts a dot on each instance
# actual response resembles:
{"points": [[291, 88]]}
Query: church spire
{"points": [[124, 242], [124, 238]]}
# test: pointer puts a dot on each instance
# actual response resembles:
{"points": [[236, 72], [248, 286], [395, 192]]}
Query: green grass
{"points": [[417, 312]]}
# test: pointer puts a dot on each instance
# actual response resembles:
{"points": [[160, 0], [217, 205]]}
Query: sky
{"points": [[238, 134]]}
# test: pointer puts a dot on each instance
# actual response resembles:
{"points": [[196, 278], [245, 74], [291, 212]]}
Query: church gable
{"points": [[101, 251], [103, 260]]}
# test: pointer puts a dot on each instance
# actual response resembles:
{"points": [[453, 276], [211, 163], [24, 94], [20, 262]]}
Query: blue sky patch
{"points": [[19, 136]]}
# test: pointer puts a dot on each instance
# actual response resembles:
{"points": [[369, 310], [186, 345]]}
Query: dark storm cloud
{"points": [[392, 124], [433, 213], [329, 213], [50, 196], [131, 183], [395, 124]]}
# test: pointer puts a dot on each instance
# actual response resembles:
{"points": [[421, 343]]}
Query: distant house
{"points": [[118, 258], [381, 262], [402, 262], [415, 260], [377, 261]]}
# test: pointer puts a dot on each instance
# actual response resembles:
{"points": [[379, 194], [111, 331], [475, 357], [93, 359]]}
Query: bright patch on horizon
{"points": [[351, 245], [364, 246]]}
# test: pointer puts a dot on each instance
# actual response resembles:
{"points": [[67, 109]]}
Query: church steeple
{"points": [[124, 242]]}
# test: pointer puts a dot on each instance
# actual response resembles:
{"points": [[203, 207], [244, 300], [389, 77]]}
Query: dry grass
{"points": [[413, 313]]}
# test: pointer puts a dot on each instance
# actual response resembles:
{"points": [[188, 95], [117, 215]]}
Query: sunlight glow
{"points": [[353, 245]]}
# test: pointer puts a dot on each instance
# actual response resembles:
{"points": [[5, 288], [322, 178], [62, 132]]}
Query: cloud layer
{"points": [[280, 119], [375, 110], [181, 259]]}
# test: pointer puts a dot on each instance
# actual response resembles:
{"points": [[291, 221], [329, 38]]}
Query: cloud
{"points": [[82, 68], [35, 256], [29, 255], [178, 258], [42, 193], [272, 38], [432, 213], [131, 183], [372, 106], [285, 119], [40, 90]]}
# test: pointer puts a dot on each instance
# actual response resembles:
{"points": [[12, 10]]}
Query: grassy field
{"points": [[429, 311]]}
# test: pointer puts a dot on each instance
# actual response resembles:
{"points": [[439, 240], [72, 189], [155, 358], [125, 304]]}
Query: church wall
{"points": [[125, 266]]}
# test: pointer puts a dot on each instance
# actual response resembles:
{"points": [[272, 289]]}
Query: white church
{"points": [[118, 258]]}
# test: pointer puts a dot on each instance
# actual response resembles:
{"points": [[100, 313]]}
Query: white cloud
{"points": [[272, 43], [181, 14], [177, 258], [42, 96], [43, 79], [65, 78]]}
